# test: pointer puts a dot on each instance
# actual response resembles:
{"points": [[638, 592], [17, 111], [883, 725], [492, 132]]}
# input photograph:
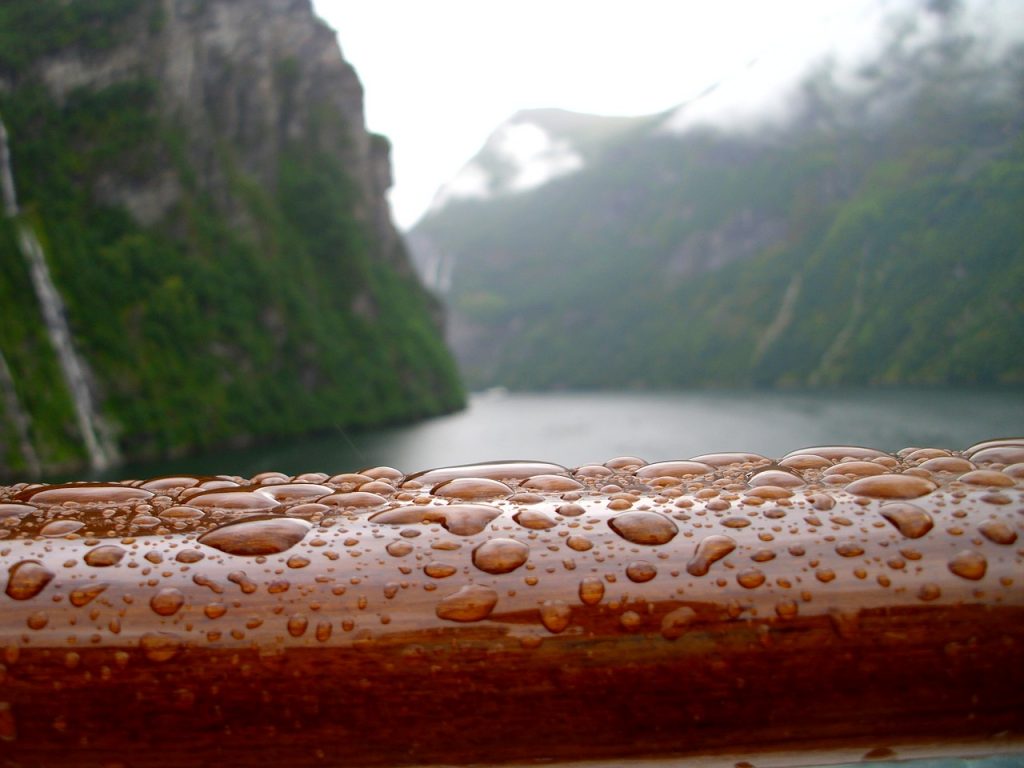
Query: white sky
{"points": [[441, 75]]}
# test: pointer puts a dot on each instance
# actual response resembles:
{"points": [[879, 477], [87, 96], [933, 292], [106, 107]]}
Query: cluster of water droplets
{"points": [[524, 552]]}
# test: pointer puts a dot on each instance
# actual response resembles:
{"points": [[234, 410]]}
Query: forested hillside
{"points": [[874, 235], [212, 212]]}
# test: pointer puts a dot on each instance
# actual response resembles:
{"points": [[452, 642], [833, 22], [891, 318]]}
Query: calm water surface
{"points": [[577, 428]]}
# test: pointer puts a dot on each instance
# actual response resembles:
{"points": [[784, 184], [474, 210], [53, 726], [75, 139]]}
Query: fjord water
{"points": [[574, 428]]}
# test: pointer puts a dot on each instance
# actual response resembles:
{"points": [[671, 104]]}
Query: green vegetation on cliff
{"points": [[281, 314]]}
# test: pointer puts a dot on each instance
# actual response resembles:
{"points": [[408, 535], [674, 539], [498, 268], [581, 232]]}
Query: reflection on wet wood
{"points": [[726, 604]]}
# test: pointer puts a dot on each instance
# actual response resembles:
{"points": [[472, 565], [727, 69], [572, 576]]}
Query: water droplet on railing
{"points": [[104, 556], [27, 579], [909, 519], [891, 487], [648, 528], [167, 601], [641, 571], [160, 646], [673, 469], [555, 615], [998, 533], [969, 564], [472, 602], [472, 489], [710, 550], [591, 590], [264, 536], [500, 555]]}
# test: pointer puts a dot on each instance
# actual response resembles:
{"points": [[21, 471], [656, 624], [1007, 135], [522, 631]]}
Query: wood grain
{"points": [[517, 611]]}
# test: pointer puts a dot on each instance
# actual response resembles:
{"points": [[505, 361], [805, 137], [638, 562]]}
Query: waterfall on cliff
{"points": [[98, 443]]}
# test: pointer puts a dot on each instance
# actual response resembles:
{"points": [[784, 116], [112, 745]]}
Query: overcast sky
{"points": [[441, 75]]}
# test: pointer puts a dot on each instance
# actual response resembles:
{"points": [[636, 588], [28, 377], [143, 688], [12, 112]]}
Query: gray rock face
{"points": [[250, 74]]}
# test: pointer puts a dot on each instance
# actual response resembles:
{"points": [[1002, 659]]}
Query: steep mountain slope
{"points": [[212, 212], [873, 235]]}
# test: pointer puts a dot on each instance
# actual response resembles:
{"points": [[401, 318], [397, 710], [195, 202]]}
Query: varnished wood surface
{"points": [[730, 606]]}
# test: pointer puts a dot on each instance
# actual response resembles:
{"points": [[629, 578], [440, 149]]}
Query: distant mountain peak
{"points": [[522, 154]]}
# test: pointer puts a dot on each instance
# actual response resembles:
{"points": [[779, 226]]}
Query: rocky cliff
{"points": [[212, 210]]}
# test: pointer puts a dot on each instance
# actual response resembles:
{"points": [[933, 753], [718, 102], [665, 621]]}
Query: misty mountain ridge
{"points": [[872, 235], [768, 94]]}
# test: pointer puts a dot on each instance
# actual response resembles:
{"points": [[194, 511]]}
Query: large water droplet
{"points": [[500, 555], [987, 477], [673, 469], [625, 463], [592, 470], [160, 646], [836, 452], [460, 519], [244, 582], [552, 484], [776, 477], [189, 556], [929, 591], [534, 519], [471, 603], [969, 564], [591, 590], [727, 459], [641, 571], [804, 461], [710, 550], [383, 473], [264, 536], [61, 527], [472, 489], [946, 464], [171, 482], [751, 578], [181, 513], [998, 452], [676, 622], [997, 532], [912, 521], [12, 511], [855, 468], [399, 548], [86, 594], [27, 579], [285, 492], [849, 549], [104, 556], [84, 493], [437, 570], [555, 615], [502, 470], [649, 528], [354, 500], [235, 500], [891, 487], [167, 601], [579, 543], [786, 609], [323, 631]]}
